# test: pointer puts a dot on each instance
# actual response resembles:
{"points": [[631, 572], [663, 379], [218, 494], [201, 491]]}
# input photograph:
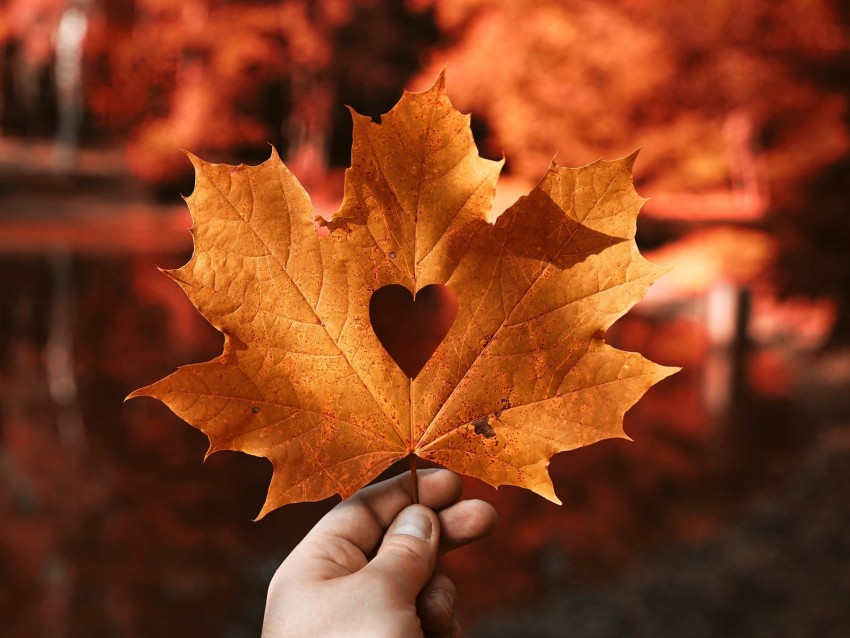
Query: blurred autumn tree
{"points": [[813, 223], [599, 79], [26, 52], [222, 77]]}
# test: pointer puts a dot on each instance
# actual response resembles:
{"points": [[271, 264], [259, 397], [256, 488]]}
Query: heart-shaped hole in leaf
{"points": [[410, 330]]}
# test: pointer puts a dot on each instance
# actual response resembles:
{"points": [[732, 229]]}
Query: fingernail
{"points": [[442, 600], [413, 521]]}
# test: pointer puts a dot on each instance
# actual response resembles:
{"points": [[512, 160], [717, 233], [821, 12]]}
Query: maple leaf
{"points": [[522, 374]]}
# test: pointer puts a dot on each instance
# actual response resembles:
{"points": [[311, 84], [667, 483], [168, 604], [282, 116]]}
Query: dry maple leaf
{"points": [[523, 372]]}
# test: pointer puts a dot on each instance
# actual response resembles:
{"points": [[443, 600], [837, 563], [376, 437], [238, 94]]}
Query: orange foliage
{"points": [[670, 74]]}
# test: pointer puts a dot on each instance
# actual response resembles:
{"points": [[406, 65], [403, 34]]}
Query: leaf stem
{"points": [[415, 478]]}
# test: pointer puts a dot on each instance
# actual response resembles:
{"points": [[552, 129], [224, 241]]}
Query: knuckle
{"points": [[406, 548]]}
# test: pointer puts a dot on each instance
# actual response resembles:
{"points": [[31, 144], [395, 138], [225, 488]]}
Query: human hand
{"points": [[368, 568]]}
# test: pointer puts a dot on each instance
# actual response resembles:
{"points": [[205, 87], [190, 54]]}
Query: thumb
{"points": [[408, 554]]}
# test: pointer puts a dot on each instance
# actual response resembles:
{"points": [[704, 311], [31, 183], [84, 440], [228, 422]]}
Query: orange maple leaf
{"points": [[522, 374]]}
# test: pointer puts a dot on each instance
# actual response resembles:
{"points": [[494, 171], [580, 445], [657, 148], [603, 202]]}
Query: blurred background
{"points": [[728, 513]]}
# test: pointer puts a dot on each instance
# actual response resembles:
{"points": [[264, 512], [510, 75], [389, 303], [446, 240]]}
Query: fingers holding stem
{"points": [[414, 479]]}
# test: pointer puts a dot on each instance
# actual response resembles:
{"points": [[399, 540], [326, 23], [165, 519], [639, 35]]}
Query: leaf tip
{"points": [[660, 270], [153, 391], [630, 159], [212, 449], [438, 86], [358, 118], [268, 506], [440, 82], [197, 162], [552, 497], [262, 513], [141, 392], [668, 371], [544, 486], [171, 273]]}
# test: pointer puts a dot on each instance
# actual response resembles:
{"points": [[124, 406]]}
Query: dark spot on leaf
{"points": [[255, 410], [483, 428]]}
